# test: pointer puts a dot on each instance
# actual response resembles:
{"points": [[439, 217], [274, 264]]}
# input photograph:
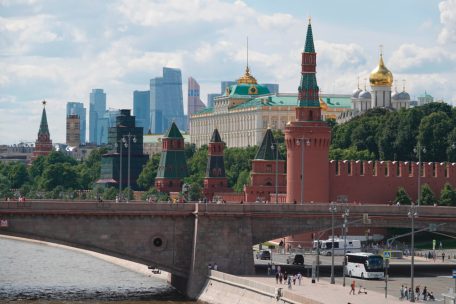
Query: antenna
{"points": [[403, 84], [247, 52], [381, 49]]}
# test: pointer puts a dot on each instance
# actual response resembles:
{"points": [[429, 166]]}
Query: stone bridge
{"points": [[184, 238]]}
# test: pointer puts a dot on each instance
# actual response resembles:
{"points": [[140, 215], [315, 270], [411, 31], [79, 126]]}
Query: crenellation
{"points": [[427, 170]]}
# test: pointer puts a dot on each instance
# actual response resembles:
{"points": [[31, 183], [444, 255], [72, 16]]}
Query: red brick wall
{"points": [[370, 182]]}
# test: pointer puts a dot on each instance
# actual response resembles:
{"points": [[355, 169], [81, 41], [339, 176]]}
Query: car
{"points": [[295, 259], [263, 255]]}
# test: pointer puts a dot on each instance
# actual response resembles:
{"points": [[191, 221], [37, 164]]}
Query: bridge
{"points": [[183, 239]]}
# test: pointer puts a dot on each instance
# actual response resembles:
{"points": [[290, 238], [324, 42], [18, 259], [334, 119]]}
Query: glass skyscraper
{"points": [[166, 101], [77, 108], [141, 109], [97, 110], [108, 120]]}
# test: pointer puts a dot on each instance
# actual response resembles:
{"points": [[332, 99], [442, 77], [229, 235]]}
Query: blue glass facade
{"points": [[166, 101], [77, 108], [141, 109], [210, 99], [97, 109], [108, 120]]}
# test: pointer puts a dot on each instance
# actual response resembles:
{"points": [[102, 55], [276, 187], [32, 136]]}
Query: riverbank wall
{"points": [[222, 288]]}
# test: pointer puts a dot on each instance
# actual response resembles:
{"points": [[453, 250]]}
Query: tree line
{"points": [[378, 134]]}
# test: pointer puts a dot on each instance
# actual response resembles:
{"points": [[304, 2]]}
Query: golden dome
{"points": [[381, 76], [247, 78]]}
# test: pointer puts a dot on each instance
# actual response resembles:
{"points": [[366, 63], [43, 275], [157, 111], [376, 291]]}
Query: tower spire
{"points": [[247, 67], [44, 129], [309, 46]]}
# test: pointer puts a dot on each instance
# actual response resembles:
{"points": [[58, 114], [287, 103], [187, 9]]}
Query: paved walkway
{"points": [[330, 293]]}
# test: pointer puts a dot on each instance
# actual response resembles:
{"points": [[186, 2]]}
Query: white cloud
{"points": [[448, 19]]}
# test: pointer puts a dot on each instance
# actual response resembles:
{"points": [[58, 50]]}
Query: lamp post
{"points": [[120, 144], [275, 147], [332, 209], [128, 138], [344, 264], [302, 142], [412, 214]]}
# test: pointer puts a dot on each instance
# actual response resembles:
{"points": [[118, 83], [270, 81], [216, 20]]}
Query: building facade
{"points": [[210, 99], [97, 109], [73, 130], [106, 121], [141, 109], [123, 164], [77, 108], [166, 101], [43, 144]]}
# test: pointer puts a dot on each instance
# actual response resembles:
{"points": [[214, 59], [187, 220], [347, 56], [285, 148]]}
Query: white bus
{"points": [[365, 265], [326, 246]]}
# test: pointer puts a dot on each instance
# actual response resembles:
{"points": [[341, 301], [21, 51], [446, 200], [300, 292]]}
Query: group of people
{"points": [[285, 278], [408, 294]]}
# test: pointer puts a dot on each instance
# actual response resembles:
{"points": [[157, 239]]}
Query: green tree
{"points": [[402, 197], [195, 192], [17, 174], [110, 193], [427, 195], [59, 174], [147, 176], [243, 179], [5, 187], [448, 195], [433, 133], [236, 161]]}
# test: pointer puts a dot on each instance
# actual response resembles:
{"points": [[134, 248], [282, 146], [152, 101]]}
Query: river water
{"points": [[37, 273]]}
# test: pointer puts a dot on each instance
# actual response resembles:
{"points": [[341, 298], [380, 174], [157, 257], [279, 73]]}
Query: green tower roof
{"points": [[173, 132], [266, 151], [216, 136], [44, 129], [309, 47]]}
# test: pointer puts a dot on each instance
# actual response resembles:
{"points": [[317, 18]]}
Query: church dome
{"points": [[404, 96], [395, 95], [365, 95], [247, 78], [381, 76], [356, 92]]}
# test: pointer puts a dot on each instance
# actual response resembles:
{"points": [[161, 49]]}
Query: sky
{"points": [[60, 50]]}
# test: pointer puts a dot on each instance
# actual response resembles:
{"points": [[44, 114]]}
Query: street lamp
{"points": [[275, 147], [120, 144], [418, 149], [302, 142], [129, 136], [412, 214], [344, 264], [332, 209]]}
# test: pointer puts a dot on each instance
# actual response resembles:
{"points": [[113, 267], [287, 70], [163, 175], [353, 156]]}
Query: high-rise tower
{"points": [[308, 137], [141, 109], [97, 109], [43, 145], [77, 108], [194, 102]]}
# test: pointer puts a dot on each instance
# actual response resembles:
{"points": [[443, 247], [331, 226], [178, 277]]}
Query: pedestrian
{"points": [[443, 257], [277, 277], [406, 293], [275, 269], [299, 278], [280, 278], [294, 280], [209, 266], [285, 276], [269, 269], [279, 269], [425, 293], [215, 266], [402, 293], [410, 293], [353, 286], [289, 282]]}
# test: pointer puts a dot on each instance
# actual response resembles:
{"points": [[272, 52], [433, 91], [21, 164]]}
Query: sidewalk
{"points": [[330, 293]]}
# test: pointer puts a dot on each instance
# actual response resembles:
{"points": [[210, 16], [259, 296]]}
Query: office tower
{"points": [[126, 140], [73, 130], [97, 109], [106, 121], [194, 102], [273, 87], [166, 101], [77, 108], [141, 109], [43, 144], [210, 99]]}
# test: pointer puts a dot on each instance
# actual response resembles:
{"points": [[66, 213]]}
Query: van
{"points": [[295, 259]]}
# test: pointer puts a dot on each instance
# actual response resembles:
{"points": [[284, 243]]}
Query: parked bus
{"points": [[365, 265], [326, 246]]}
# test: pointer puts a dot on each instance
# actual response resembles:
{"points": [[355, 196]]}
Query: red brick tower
{"points": [[215, 179], [43, 145], [267, 170], [308, 137]]}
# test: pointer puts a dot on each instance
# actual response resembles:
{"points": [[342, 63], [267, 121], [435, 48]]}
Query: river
{"points": [[32, 272]]}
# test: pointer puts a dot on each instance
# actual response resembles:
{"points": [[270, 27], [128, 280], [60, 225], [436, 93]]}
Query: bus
{"points": [[326, 246], [365, 265]]}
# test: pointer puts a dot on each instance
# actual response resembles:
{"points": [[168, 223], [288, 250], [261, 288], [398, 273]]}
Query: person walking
{"points": [[280, 278], [289, 282], [443, 257], [353, 286], [402, 293], [299, 278], [285, 276], [277, 278]]}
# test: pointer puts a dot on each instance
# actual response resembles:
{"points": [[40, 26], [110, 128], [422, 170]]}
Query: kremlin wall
{"points": [[307, 140]]}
